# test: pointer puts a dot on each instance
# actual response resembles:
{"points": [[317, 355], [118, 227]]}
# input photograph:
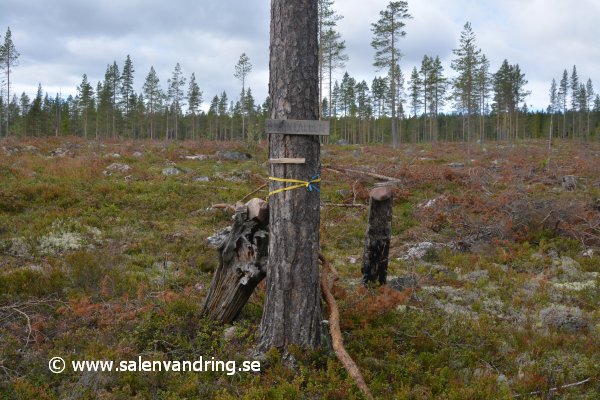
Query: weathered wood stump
{"points": [[379, 232], [243, 252], [569, 182]]}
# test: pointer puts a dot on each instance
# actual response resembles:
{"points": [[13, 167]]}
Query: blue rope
{"points": [[314, 185]]}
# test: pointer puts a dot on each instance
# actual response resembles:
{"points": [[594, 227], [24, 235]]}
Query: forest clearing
{"points": [[492, 287]]}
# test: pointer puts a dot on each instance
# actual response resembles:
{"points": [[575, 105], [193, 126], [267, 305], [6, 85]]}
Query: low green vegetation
{"points": [[493, 287]]}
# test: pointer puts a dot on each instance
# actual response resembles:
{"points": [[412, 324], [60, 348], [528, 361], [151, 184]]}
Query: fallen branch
{"points": [[224, 206], [556, 388], [357, 171], [328, 276], [253, 192], [28, 323], [345, 205]]}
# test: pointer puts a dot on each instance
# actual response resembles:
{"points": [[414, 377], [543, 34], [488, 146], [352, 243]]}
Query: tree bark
{"points": [[243, 253], [292, 309], [379, 232]]}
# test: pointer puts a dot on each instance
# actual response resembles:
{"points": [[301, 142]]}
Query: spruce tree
{"points": [[563, 92], [589, 91], [387, 31], [85, 92], [466, 65], [153, 95], [574, 83], [440, 84], [126, 88], [175, 93], [483, 87], [597, 104], [194, 98]]}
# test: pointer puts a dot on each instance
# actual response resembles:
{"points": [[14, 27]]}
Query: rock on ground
{"points": [[117, 167], [563, 318], [418, 251], [170, 171], [233, 156]]}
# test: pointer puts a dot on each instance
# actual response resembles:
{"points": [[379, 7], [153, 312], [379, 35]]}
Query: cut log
{"points": [[243, 253], [379, 231]]}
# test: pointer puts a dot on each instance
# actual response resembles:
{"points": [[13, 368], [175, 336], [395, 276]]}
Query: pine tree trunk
{"points": [[292, 309]]}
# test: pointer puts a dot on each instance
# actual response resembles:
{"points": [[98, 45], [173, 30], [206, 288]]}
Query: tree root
{"points": [[328, 276]]}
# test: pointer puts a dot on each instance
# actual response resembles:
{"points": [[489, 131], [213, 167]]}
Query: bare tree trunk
{"points": [[379, 232], [292, 310]]}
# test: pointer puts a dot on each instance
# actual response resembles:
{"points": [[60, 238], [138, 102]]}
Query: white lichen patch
{"points": [[67, 236], [575, 286], [59, 242]]}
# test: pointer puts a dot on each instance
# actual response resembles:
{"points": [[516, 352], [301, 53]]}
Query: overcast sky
{"points": [[59, 40]]}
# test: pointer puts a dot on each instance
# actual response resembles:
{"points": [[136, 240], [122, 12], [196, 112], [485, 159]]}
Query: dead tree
{"points": [[292, 309], [243, 254], [379, 231]]}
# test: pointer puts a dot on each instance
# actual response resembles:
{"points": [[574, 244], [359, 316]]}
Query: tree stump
{"points": [[569, 182], [243, 252], [379, 232]]}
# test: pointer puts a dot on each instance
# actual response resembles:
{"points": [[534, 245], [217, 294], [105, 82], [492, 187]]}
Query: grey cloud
{"points": [[60, 40]]}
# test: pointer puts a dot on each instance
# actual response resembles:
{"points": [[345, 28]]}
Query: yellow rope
{"points": [[298, 184]]}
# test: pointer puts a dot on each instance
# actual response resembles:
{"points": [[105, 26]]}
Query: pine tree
{"points": [[332, 49], [364, 110], [439, 88], [387, 31], [483, 83], [175, 93], [552, 107], [331, 46], [426, 85], [242, 69], [194, 98], [519, 93], [466, 64], [9, 57], [153, 95]]}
